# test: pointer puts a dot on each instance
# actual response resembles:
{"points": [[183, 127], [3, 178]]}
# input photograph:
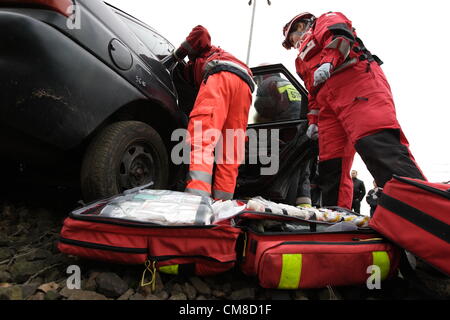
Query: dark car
{"points": [[84, 97], [83, 93]]}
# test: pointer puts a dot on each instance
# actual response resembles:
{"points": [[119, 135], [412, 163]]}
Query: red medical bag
{"points": [[415, 215], [313, 258], [196, 249]]}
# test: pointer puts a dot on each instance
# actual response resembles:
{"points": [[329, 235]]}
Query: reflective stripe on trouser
{"points": [[198, 192], [355, 105], [221, 195], [292, 264], [223, 94], [202, 181], [200, 176], [303, 200]]}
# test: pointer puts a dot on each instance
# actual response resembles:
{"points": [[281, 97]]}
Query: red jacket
{"points": [[216, 60], [332, 40]]}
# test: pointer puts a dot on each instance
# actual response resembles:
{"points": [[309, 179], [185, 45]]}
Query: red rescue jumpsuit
{"points": [[222, 103], [354, 109]]}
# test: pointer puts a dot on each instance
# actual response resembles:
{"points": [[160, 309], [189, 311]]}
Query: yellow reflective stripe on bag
{"points": [[292, 92], [291, 271], [172, 269], [381, 259]]}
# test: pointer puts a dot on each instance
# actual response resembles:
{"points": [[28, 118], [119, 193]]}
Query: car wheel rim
{"points": [[137, 166]]}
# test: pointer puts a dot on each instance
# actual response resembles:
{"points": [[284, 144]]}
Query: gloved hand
{"points": [[196, 42], [313, 132], [323, 73]]}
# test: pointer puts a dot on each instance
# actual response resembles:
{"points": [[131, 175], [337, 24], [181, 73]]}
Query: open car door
{"points": [[277, 148]]}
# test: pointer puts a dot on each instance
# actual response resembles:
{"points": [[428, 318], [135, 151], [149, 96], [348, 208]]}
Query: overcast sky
{"points": [[411, 37]]}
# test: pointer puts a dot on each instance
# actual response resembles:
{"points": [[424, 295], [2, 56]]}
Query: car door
{"points": [[277, 149], [151, 47]]}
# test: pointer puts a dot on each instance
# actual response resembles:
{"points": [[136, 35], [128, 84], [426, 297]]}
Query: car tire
{"points": [[122, 156]]}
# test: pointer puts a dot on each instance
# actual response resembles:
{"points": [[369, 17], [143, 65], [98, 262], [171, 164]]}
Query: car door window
{"points": [[152, 40], [275, 99], [277, 147]]}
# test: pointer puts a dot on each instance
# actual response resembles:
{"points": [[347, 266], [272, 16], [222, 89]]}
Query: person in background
{"points": [[372, 197], [359, 191], [277, 100], [350, 103], [316, 194], [223, 101]]}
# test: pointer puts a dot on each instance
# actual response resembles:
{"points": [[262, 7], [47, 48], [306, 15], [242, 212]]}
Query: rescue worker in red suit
{"points": [[350, 105], [225, 94]]}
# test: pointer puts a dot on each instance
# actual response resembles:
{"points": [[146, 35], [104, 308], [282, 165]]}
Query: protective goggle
{"points": [[296, 37]]}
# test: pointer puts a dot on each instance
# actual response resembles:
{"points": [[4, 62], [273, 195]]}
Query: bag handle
{"points": [[445, 194]]}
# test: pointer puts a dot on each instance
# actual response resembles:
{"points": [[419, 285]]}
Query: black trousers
{"points": [[356, 206], [384, 155]]}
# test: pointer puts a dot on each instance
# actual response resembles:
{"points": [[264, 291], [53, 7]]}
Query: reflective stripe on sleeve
{"points": [[381, 259], [342, 45], [291, 271]]}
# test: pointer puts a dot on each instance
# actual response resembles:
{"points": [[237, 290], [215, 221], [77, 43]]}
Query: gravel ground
{"points": [[32, 268]]}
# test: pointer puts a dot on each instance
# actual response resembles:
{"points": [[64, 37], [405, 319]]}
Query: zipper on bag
{"points": [[97, 246], [135, 224], [171, 257], [445, 194], [354, 242]]}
